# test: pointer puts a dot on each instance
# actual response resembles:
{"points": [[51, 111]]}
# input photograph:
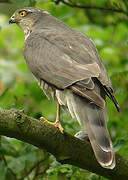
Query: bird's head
{"points": [[27, 17]]}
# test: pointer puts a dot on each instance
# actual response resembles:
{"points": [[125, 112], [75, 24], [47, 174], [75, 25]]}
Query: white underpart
{"points": [[66, 98], [70, 46], [26, 28], [61, 97], [26, 33]]}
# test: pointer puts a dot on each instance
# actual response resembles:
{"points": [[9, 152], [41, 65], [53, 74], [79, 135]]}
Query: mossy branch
{"points": [[66, 148]]}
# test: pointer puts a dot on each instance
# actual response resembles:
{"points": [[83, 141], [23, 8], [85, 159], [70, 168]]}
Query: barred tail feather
{"points": [[93, 121], [99, 136]]}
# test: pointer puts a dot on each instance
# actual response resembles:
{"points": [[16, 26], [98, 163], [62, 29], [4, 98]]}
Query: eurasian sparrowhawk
{"points": [[68, 68]]}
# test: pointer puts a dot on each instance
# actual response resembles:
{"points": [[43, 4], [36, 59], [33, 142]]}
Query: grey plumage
{"points": [[93, 122], [67, 66]]}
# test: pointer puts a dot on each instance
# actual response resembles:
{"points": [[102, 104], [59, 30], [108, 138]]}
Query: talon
{"points": [[43, 119], [58, 125], [55, 124]]}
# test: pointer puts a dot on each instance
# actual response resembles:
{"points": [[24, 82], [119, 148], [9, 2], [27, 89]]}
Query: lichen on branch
{"points": [[66, 148]]}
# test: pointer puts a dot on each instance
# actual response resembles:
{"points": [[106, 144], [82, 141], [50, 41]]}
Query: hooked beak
{"points": [[12, 20]]}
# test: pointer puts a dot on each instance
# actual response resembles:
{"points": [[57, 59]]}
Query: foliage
{"points": [[19, 90]]}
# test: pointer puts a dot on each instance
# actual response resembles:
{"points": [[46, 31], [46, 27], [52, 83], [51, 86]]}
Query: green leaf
{"points": [[21, 2], [120, 143], [17, 164], [3, 171], [63, 170], [30, 156]]}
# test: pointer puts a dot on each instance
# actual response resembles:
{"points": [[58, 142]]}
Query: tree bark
{"points": [[66, 148], [75, 4]]}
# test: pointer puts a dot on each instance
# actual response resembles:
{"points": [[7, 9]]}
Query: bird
{"points": [[69, 69]]}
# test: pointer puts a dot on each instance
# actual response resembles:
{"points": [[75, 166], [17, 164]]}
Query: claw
{"points": [[56, 124], [43, 119]]}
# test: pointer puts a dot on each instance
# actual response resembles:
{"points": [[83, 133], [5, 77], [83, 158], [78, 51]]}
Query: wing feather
{"points": [[66, 61], [48, 62]]}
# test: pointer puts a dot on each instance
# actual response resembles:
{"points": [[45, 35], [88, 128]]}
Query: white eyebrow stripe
{"points": [[29, 10], [46, 12], [33, 10]]}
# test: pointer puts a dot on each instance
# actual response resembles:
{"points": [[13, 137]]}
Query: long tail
{"points": [[99, 136], [94, 119]]}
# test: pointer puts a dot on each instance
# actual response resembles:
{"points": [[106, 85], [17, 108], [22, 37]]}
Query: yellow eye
{"points": [[23, 13]]}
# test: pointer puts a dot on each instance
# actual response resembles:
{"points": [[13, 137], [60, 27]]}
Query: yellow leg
{"points": [[57, 122]]}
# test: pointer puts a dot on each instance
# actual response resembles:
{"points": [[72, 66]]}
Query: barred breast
{"points": [[48, 90]]}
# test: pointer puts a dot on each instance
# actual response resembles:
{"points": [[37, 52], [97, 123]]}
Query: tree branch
{"points": [[5, 1], [78, 5], [66, 148]]}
